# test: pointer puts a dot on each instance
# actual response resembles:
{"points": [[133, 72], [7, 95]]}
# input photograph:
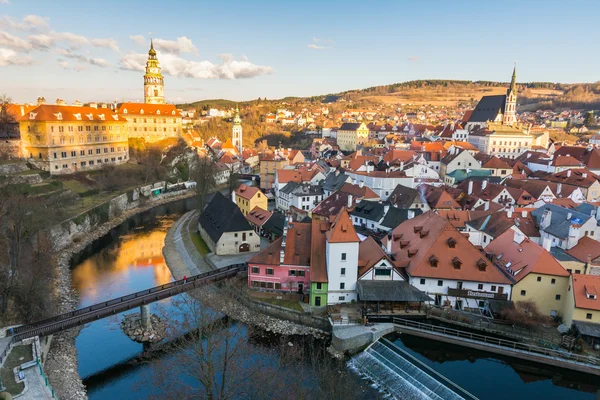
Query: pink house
{"points": [[285, 264]]}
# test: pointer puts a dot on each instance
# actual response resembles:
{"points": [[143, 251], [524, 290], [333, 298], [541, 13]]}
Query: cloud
{"points": [[11, 57], [181, 45], [179, 67], [316, 47], [4, 2], [138, 39], [107, 43], [414, 58], [28, 23], [68, 53], [14, 42]]}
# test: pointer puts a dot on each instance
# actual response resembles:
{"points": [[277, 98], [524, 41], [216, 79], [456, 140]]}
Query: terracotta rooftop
{"points": [[165, 110], [359, 192], [246, 192], [318, 261], [521, 259], [430, 247], [47, 112], [297, 249], [584, 248], [586, 291], [342, 229], [458, 218], [258, 216], [369, 254], [437, 197]]}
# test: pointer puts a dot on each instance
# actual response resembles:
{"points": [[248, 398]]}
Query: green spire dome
{"points": [[152, 52], [237, 120]]}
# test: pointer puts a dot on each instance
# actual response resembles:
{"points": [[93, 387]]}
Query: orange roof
{"points": [[47, 112], [458, 218], [584, 285], [246, 192], [429, 239], [297, 249], [18, 110], [357, 191], [525, 257], [301, 174], [398, 155], [342, 230], [227, 159], [228, 144], [148, 109], [585, 247], [369, 254], [463, 145], [258, 216]]}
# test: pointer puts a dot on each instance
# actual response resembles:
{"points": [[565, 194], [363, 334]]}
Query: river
{"points": [[130, 259]]}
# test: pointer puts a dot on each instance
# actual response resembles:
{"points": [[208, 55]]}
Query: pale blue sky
{"points": [[84, 50]]}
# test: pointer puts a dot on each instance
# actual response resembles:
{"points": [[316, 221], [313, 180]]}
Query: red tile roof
{"points": [[318, 262], [584, 285], [258, 216], [363, 192], [342, 229], [369, 254], [585, 247], [418, 241], [168, 110], [47, 112], [246, 192]]}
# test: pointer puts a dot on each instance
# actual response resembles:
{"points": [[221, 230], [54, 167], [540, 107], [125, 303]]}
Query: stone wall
{"points": [[14, 168]]}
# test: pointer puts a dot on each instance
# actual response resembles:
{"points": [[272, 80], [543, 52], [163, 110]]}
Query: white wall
{"points": [[335, 264]]}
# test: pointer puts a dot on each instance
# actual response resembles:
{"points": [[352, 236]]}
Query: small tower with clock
{"points": [[236, 134], [154, 84]]}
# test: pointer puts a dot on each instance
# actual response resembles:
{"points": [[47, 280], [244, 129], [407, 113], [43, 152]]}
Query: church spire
{"points": [[513, 82]]}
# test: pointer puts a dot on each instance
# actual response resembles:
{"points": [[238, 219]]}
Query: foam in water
{"points": [[397, 377]]}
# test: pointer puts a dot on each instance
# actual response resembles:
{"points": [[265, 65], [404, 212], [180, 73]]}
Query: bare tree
{"points": [[263, 147], [204, 175], [233, 180]]}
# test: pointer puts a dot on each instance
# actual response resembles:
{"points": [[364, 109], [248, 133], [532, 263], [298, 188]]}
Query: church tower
{"points": [[510, 108], [154, 84], [236, 133]]}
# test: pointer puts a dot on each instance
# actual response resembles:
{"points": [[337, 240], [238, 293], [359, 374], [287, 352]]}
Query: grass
{"points": [[75, 186], [291, 304], [200, 244], [17, 356]]}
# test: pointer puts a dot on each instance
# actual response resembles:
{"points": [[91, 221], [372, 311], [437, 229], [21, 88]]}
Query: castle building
{"points": [[236, 133], [500, 108], [154, 84], [153, 120], [65, 139]]}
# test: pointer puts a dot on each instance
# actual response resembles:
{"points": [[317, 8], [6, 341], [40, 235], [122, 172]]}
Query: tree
{"points": [[524, 313], [589, 120], [233, 180], [263, 147], [204, 176]]}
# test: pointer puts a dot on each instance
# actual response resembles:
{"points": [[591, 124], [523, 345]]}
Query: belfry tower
{"points": [[154, 84], [236, 132], [510, 108]]}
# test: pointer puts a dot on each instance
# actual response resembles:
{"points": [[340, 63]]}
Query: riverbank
{"points": [[183, 259], [61, 365]]}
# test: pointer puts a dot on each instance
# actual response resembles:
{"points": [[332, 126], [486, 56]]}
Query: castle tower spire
{"points": [[153, 79], [236, 132]]}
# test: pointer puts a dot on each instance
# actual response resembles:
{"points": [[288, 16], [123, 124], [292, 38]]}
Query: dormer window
{"points": [[32, 115], [456, 262], [141, 111], [433, 261], [125, 111], [157, 112], [481, 264], [423, 233], [412, 252], [77, 116], [451, 243], [101, 116], [58, 116], [404, 243], [590, 292], [89, 116], [418, 228]]}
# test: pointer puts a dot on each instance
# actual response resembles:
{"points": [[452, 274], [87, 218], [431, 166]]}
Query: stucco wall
{"points": [[543, 292], [229, 243]]}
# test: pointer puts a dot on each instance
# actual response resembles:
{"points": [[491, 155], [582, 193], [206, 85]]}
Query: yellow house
{"points": [[583, 301], [352, 134], [247, 197], [537, 274], [64, 139]]}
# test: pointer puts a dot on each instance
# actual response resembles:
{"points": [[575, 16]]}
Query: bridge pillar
{"points": [[145, 317]]}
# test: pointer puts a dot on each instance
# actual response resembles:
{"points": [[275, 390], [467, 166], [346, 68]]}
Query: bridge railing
{"points": [[158, 292], [564, 355]]}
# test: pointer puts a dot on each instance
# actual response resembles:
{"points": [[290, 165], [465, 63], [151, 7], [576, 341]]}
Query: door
{"points": [[244, 236], [459, 304], [244, 247], [318, 301], [438, 299], [300, 287], [500, 289], [459, 285]]}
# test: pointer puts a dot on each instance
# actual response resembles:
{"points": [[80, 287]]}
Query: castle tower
{"points": [[153, 80], [236, 133], [510, 108]]}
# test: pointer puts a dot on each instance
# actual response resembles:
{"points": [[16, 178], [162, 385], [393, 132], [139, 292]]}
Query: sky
{"points": [[96, 51]]}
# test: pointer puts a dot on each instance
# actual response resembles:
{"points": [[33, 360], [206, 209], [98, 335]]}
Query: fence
{"points": [[564, 355]]}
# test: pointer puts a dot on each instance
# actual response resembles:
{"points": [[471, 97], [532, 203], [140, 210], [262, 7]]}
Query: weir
{"points": [[404, 376]]}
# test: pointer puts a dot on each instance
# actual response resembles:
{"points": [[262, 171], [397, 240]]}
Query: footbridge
{"points": [[105, 309]]}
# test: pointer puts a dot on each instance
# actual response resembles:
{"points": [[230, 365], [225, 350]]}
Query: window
{"points": [[440, 283], [523, 292], [553, 281], [539, 278], [98, 151], [588, 316], [493, 289], [342, 298], [300, 273], [73, 153], [342, 286], [480, 286], [422, 281], [90, 152], [270, 271], [255, 270], [235, 235], [319, 286], [277, 286], [557, 297], [82, 152], [291, 272]]}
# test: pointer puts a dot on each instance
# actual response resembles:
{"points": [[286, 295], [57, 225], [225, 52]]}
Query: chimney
{"points": [[547, 244], [484, 184], [389, 242], [337, 172], [519, 237], [284, 238], [584, 175], [386, 208], [41, 100], [22, 111], [569, 215], [233, 197], [509, 213], [486, 205], [568, 173], [410, 214], [361, 184], [349, 201], [93, 105], [470, 190], [558, 188], [524, 214], [546, 219]]}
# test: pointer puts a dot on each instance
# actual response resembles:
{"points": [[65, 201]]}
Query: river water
{"points": [[130, 259]]}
